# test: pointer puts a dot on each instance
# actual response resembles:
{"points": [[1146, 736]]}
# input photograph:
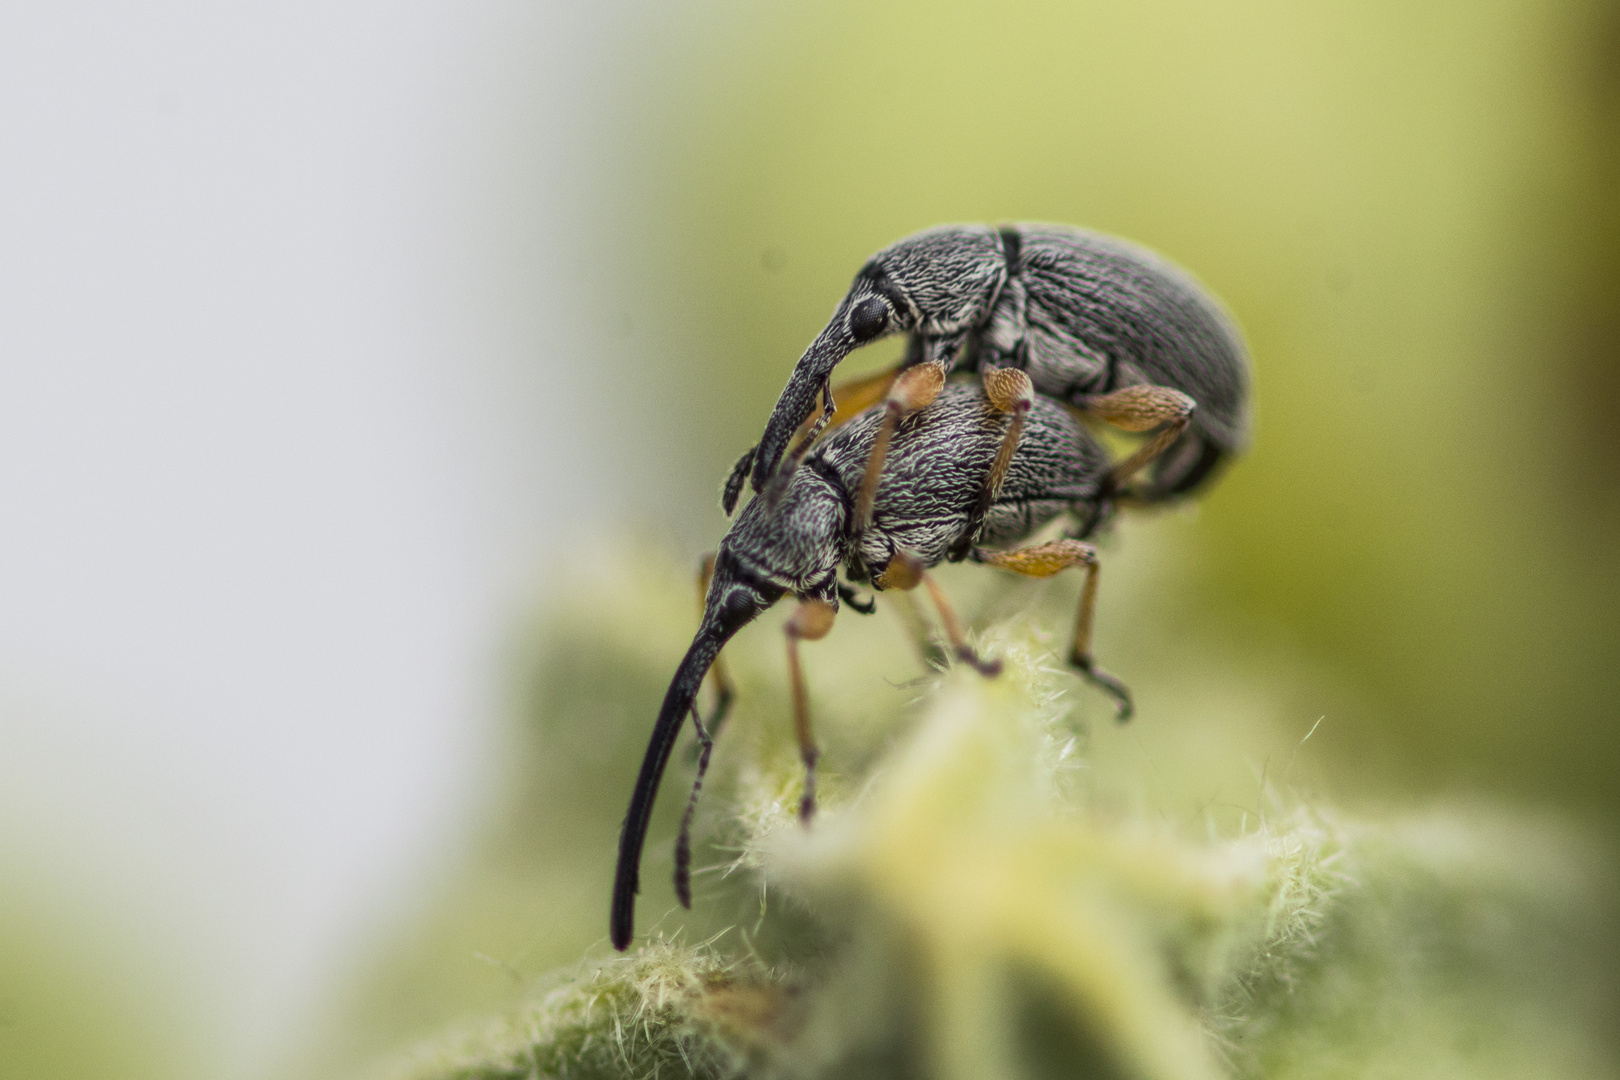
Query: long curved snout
{"points": [[798, 398], [731, 605]]}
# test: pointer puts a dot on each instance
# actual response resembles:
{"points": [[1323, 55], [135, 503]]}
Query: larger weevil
{"points": [[1097, 322], [928, 504]]}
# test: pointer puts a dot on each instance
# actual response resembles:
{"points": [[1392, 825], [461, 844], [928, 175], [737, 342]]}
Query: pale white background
{"points": [[289, 418]]}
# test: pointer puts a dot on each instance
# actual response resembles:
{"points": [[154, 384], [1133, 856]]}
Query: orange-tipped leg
{"points": [[915, 388], [811, 622], [905, 571], [909, 612], [1044, 560], [1142, 408], [1009, 390]]}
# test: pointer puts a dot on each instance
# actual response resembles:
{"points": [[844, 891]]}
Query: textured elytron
{"points": [[1081, 312], [1102, 313]]}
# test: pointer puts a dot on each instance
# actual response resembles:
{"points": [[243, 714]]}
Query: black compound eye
{"points": [[869, 319]]}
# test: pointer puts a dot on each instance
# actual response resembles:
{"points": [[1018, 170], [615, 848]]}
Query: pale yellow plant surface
{"points": [[977, 899]]}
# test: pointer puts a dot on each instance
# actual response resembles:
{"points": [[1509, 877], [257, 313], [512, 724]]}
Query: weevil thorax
{"points": [[944, 278], [795, 545]]}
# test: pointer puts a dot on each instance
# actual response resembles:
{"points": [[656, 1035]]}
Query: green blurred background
{"points": [[1412, 209]]}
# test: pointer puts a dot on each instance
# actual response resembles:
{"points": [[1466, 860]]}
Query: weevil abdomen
{"points": [[1102, 313]]}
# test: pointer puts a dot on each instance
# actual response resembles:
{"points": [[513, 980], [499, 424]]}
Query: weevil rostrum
{"points": [[928, 505]]}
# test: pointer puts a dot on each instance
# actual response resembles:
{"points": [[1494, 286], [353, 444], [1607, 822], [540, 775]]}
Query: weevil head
{"points": [[875, 307], [945, 278], [937, 282], [736, 598]]}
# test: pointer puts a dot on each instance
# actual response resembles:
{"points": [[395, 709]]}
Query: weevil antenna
{"points": [[683, 839]]}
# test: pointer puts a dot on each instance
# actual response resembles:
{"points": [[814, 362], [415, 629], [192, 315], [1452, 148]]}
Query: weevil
{"points": [[927, 504], [1096, 321]]}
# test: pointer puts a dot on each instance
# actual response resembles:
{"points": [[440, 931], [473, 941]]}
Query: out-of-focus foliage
{"points": [[74, 1004], [666, 1011], [982, 897]]}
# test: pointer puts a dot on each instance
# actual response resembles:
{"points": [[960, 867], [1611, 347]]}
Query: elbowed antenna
{"points": [[737, 605], [798, 398]]}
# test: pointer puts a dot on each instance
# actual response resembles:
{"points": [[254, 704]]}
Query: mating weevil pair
{"points": [[1094, 321], [1056, 321]]}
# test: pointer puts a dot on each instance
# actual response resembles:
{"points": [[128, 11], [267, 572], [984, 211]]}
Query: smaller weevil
{"points": [[1095, 321], [927, 507]]}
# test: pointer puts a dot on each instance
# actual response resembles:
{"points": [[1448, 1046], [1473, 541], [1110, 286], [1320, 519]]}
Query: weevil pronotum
{"points": [[1097, 322], [928, 505]]}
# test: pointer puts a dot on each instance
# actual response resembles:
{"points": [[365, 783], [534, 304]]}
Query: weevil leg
{"points": [[916, 383], [904, 605], [905, 572], [848, 595], [1044, 560], [1098, 511], [874, 469], [857, 395], [953, 630], [1009, 390], [914, 388], [683, 840], [1184, 466], [703, 748], [734, 483], [1142, 408], [810, 622]]}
